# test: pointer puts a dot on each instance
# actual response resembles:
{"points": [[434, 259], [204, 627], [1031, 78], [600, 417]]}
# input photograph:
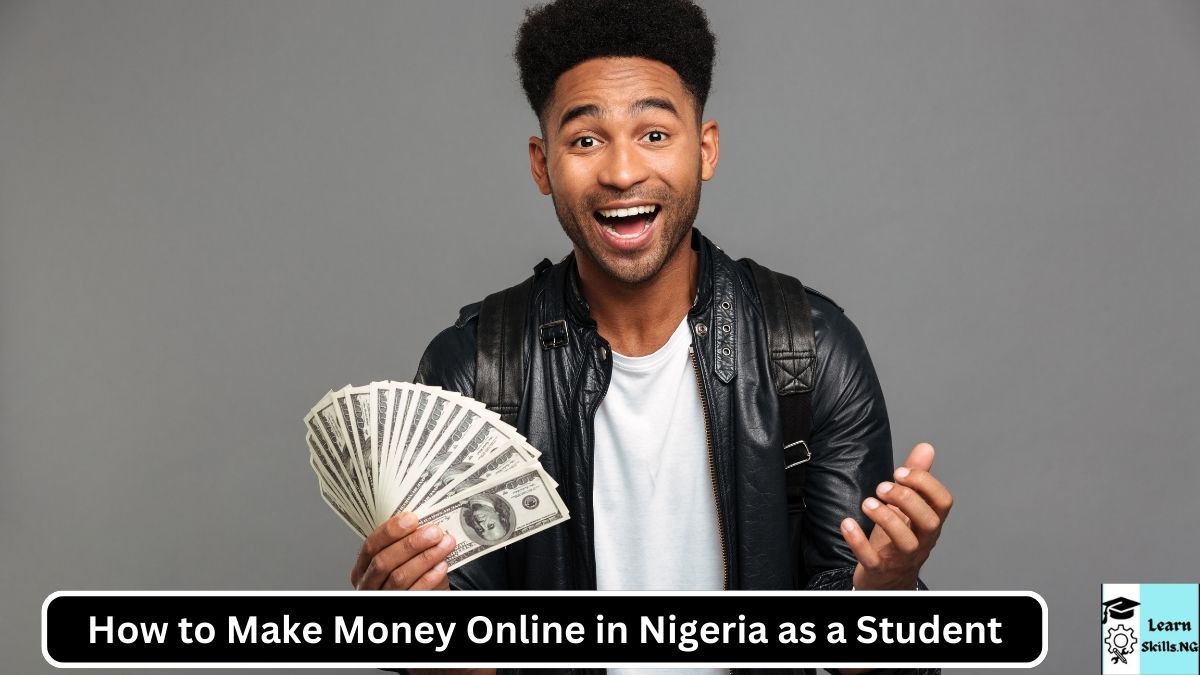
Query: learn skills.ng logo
{"points": [[1151, 629]]}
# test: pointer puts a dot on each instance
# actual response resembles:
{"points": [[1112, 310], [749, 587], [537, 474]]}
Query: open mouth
{"points": [[627, 223]]}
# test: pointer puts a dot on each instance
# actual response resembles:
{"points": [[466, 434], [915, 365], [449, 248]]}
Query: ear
{"points": [[710, 149], [537, 164]]}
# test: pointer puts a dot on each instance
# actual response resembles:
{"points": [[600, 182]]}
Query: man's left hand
{"points": [[908, 516]]}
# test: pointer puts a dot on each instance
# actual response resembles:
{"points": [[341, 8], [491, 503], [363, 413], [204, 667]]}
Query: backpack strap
{"points": [[792, 347], [500, 348], [499, 371]]}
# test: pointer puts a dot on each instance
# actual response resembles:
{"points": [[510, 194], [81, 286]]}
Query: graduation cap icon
{"points": [[1118, 608]]}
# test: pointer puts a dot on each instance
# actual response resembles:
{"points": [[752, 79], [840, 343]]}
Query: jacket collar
{"points": [[578, 307]]}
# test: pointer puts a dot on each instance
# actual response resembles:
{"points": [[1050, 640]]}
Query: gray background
{"points": [[212, 212]]}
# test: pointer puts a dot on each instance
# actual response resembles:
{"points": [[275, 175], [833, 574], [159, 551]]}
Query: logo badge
{"points": [[1150, 628]]}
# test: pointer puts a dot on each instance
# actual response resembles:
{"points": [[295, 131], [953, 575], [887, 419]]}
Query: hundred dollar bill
{"points": [[343, 407], [498, 513], [471, 471], [406, 429], [319, 450], [329, 433], [332, 502], [401, 395], [473, 438], [330, 479], [392, 445], [381, 400], [362, 432], [442, 414]]}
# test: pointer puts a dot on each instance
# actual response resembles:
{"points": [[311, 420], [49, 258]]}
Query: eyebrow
{"points": [[587, 110], [637, 107], [641, 105]]}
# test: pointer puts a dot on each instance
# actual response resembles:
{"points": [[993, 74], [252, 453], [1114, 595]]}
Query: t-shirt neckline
{"points": [[676, 343]]}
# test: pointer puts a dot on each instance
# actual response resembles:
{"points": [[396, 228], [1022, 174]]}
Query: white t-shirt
{"points": [[655, 512]]}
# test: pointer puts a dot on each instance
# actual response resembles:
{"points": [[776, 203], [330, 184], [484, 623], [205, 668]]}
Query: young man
{"points": [[647, 376]]}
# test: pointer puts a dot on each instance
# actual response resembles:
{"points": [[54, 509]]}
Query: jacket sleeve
{"points": [[851, 452], [449, 363], [851, 446]]}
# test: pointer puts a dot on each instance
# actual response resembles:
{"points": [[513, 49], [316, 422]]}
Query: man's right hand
{"points": [[399, 556]]}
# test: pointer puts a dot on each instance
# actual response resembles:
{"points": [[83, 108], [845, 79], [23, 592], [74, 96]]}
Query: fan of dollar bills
{"points": [[396, 446]]}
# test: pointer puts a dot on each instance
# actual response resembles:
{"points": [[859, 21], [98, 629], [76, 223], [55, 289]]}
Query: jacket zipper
{"points": [[591, 442], [712, 465]]}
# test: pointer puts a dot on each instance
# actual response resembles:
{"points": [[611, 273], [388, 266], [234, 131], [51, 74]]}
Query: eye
{"points": [[584, 142], [656, 136]]}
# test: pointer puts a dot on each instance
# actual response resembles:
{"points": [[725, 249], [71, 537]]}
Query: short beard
{"points": [[578, 222]]}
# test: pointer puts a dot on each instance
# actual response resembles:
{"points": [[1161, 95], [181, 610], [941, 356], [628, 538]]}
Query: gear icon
{"points": [[1120, 641]]}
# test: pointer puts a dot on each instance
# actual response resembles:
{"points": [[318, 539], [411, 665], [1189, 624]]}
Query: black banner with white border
{"points": [[218, 629]]}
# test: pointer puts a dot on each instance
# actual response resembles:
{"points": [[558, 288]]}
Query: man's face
{"points": [[622, 158]]}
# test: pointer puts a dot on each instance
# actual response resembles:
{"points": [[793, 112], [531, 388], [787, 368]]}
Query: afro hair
{"points": [[559, 35]]}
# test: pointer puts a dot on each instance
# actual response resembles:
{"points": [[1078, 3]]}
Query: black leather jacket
{"points": [[851, 441]]}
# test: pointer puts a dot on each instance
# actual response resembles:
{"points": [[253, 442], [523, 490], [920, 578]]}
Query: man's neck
{"points": [[639, 319]]}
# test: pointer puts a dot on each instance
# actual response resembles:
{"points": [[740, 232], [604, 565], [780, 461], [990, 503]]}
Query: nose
{"points": [[623, 166]]}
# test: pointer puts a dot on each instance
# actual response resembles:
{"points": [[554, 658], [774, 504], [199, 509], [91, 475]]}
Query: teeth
{"points": [[631, 211], [613, 231]]}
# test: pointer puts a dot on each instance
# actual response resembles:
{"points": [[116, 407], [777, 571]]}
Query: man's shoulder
{"points": [[449, 359], [827, 315], [467, 314], [825, 302], [839, 344], [846, 395], [829, 320]]}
